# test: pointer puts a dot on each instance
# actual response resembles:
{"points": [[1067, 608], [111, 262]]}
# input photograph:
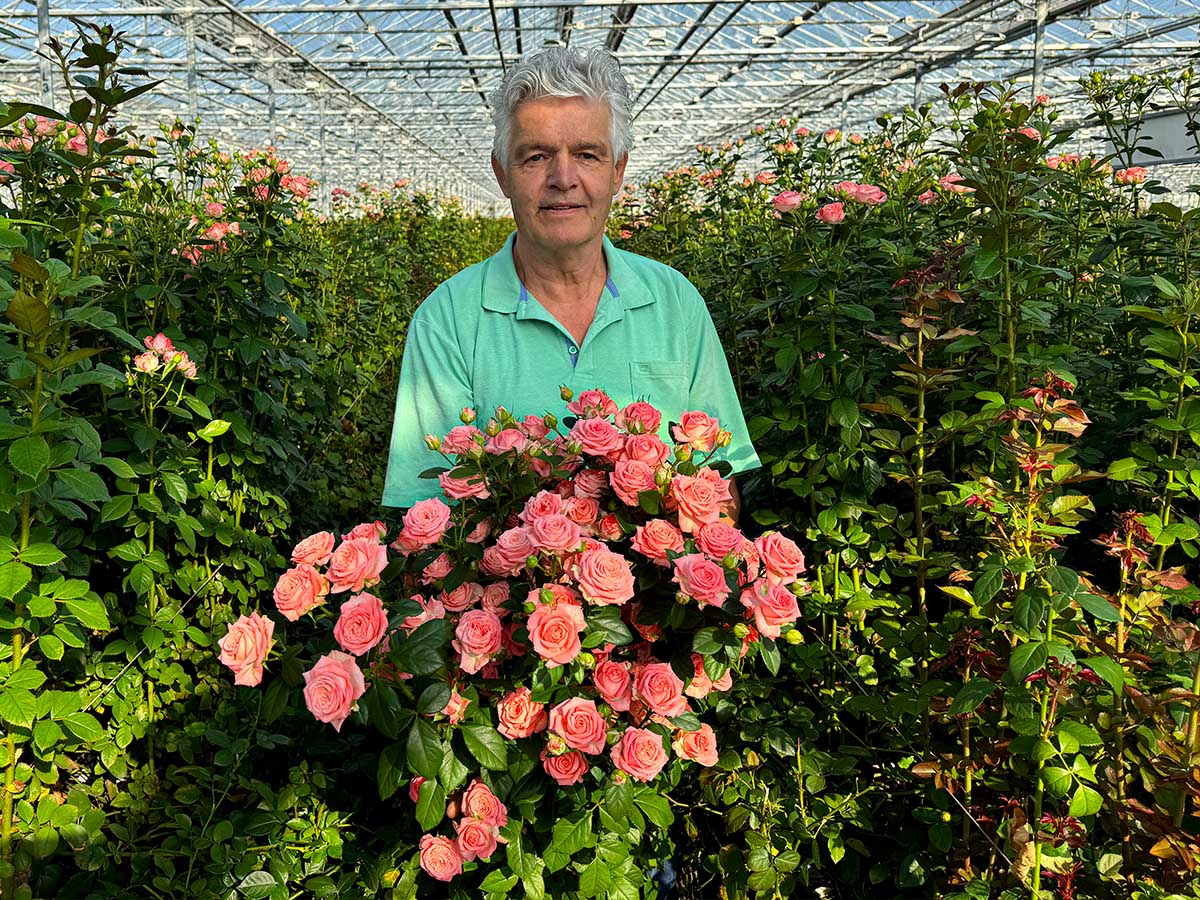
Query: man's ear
{"points": [[621, 163], [502, 177]]}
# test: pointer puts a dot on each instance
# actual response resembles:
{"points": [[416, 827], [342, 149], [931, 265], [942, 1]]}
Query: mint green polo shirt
{"points": [[481, 340]]}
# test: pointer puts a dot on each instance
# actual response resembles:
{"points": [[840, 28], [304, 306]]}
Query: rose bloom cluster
{"points": [[553, 547], [162, 358]]}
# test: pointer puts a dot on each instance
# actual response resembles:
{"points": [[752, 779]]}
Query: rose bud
{"points": [[546, 596], [681, 598], [723, 438], [683, 453], [566, 393], [531, 563], [663, 477], [586, 660], [550, 421], [467, 416], [740, 630], [752, 759], [433, 442], [730, 561], [794, 637], [492, 429], [529, 608]]}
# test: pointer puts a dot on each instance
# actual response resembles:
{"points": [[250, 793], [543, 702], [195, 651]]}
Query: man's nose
{"points": [[563, 171]]}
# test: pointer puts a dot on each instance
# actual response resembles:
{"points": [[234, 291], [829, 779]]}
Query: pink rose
{"points": [[609, 528], [582, 510], [479, 532], [1132, 175], [298, 590], [476, 839], [440, 857], [437, 570], [512, 548], [426, 521], [543, 503], [719, 539], [463, 597], [699, 746], [766, 178], [870, 195], [314, 550], [782, 558], [591, 483], [474, 486], [831, 213], [430, 609], [332, 686], [375, 530], [604, 577], [519, 716], [361, 624], [506, 440], [655, 538], [639, 754], [597, 437], [661, 689], [555, 533], [787, 201], [701, 685], [773, 606], [701, 579], [478, 639], [414, 788], [554, 632], [579, 724], [927, 197], [592, 404], [614, 683], [697, 501], [495, 595], [461, 439], [480, 803], [629, 478], [647, 448], [245, 647], [355, 564], [639, 418], [534, 427], [566, 768], [456, 707], [832, 136]]}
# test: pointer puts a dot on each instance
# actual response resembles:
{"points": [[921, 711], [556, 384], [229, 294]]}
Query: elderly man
{"points": [[559, 304]]}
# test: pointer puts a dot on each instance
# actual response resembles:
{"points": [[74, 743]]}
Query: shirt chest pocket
{"points": [[662, 383]]}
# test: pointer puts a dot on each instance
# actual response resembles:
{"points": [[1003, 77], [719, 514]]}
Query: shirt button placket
{"points": [[574, 351]]}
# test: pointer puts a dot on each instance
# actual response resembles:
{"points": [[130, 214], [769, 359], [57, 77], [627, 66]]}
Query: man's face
{"points": [[560, 175]]}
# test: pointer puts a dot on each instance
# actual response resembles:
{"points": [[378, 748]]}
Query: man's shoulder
{"points": [[663, 282], [455, 297]]}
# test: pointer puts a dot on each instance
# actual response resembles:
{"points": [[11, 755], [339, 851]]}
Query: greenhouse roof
{"points": [[373, 90]]}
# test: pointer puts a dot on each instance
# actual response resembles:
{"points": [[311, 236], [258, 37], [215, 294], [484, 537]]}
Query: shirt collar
{"points": [[503, 291]]}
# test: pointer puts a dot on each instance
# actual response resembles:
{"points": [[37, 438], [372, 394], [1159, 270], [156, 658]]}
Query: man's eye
{"points": [[535, 157]]}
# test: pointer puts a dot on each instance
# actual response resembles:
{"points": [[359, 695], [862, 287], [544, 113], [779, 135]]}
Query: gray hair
{"points": [[562, 72]]}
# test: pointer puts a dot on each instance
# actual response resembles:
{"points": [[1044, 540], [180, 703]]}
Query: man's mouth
{"points": [[561, 207]]}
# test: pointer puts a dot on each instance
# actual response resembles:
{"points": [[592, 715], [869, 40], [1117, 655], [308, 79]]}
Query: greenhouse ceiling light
{"points": [[878, 34], [346, 45], [553, 42], [656, 38], [443, 44], [243, 45], [1101, 30], [768, 36]]}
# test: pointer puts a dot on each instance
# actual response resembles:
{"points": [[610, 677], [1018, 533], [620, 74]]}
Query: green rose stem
{"points": [[1119, 714], [1165, 505], [11, 788], [1189, 739], [1046, 719]]}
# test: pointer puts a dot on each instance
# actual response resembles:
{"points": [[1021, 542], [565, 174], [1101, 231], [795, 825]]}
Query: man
{"points": [[558, 305]]}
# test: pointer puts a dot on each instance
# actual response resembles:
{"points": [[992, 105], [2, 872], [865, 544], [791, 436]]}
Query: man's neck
{"points": [[561, 278]]}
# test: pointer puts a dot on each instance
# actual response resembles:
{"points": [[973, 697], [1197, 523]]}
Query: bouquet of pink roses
{"points": [[549, 637]]}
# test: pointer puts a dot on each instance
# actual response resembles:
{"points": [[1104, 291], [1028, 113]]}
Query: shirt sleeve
{"points": [[712, 388], [434, 387]]}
